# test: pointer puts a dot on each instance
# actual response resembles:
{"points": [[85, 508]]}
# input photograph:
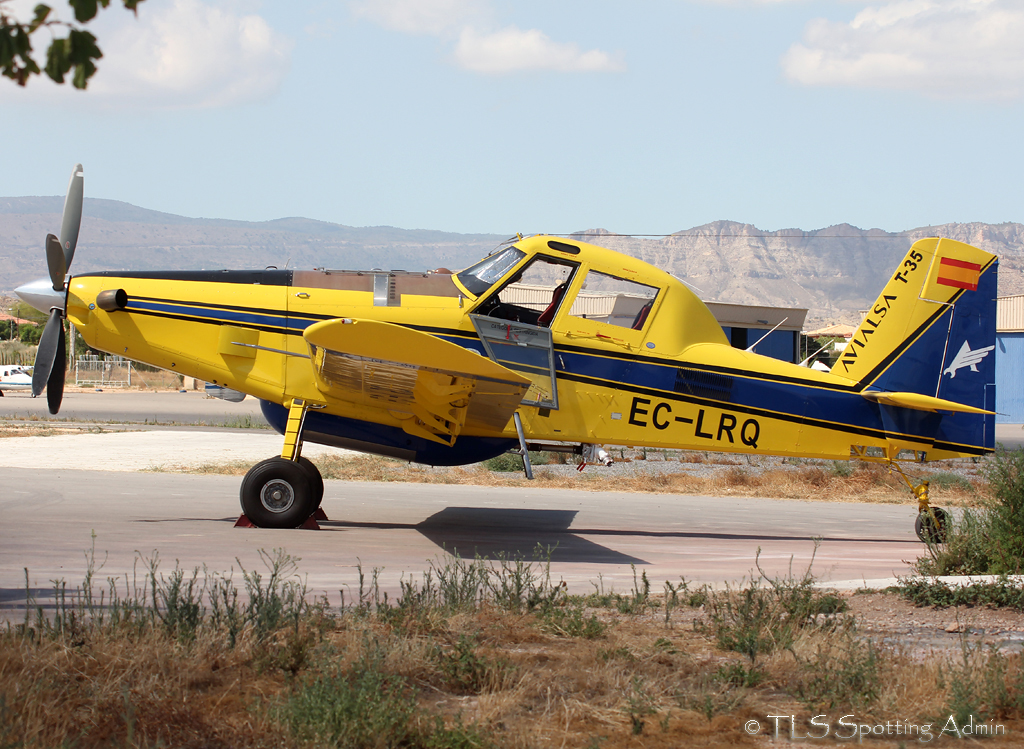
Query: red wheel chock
{"points": [[309, 525]]}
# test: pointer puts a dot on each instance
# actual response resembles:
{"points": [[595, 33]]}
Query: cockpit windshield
{"points": [[480, 277]]}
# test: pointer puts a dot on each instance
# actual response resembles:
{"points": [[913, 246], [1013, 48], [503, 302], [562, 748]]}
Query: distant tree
{"points": [[74, 53], [30, 334]]}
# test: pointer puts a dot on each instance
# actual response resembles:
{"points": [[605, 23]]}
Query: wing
{"points": [[435, 389]]}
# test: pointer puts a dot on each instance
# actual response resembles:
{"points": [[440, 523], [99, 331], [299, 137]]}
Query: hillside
{"points": [[834, 272]]}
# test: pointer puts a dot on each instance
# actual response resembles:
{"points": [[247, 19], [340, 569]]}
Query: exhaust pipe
{"points": [[112, 300]]}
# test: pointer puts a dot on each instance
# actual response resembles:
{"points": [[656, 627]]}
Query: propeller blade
{"points": [[46, 354], [55, 382], [72, 220], [56, 262]]}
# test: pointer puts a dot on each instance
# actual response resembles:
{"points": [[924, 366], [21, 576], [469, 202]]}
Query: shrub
{"points": [[769, 614], [988, 541], [925, 592], [363, 706]]}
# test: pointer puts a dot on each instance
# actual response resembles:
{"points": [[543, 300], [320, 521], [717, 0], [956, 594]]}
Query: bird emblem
{"points": [[965, 357]]}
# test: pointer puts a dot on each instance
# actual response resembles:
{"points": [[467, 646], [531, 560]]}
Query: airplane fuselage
{"points": [[674, 383]]}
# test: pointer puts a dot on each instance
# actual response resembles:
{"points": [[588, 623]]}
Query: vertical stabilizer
{"points": [[932, 331]]}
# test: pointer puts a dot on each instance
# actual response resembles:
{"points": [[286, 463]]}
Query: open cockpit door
{"points": [[513, 321], [527, 350]]}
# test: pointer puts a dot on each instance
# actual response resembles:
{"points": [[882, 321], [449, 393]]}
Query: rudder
{"points": [[932, 332]]}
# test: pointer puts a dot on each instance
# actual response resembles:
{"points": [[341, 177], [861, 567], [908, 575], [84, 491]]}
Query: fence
{"points": [[113, 371]]}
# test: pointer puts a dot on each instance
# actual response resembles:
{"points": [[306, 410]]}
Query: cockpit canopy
{"points": [[537, 290], [585, 291]]}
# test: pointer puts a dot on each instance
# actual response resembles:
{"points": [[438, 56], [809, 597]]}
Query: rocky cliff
{"points": [[833, 272]]}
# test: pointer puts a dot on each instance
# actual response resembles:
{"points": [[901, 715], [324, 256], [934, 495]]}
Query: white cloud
{"points": [[941, 48], [478, 48], [430, 17], [185, 54], [510, 50]]}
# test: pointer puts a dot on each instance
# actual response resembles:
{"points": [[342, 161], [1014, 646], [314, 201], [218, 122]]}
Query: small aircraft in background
{"points": [[547, 343], [13, 377]]}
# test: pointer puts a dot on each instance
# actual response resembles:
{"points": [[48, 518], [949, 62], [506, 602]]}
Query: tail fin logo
{"points": [[967, 358]]}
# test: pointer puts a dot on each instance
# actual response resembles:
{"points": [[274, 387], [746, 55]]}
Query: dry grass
{"points": [[492, 675], [866, 482], [110, 689], [33, 430]]}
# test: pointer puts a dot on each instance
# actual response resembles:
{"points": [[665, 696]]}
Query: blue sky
{"points": [[498, 116]]}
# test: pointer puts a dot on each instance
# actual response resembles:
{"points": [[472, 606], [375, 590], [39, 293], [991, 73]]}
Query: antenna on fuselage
{"points": [[750, 348]]}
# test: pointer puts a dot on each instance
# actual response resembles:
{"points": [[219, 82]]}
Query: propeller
{"points": [[51, 356]]}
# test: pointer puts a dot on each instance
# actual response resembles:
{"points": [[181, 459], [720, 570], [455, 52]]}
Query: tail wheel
{"points": [[276, 493], [932, 530], [316, 481]]}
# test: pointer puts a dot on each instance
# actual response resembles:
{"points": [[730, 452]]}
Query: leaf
{"points": [[42, 12], [82, 50], [85, 10], [57, 64]]}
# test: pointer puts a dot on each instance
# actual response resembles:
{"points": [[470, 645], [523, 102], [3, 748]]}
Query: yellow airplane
{"points": [[546, 341]]}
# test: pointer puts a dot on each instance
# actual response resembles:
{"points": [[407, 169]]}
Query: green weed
{"points": [[572, 621], [739, 675], [769, 613], [979, 685], [465, 670], [639, 705], [353, 708], [926, 592], [844, 670]]}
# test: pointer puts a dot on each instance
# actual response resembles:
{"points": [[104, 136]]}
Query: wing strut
{"points": [[527, 468]]}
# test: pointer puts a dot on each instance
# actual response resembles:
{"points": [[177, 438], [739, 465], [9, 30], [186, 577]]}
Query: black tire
{"points": [[316, 481], [932, 530], [275, 493]]}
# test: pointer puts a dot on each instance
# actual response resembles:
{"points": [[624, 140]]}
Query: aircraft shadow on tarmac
{"points": [[490, 532], [468, 532]]}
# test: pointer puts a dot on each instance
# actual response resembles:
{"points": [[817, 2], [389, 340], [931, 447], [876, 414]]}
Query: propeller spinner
{"points": [[47, 295]]}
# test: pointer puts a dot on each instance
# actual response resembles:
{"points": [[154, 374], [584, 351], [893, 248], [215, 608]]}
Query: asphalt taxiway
{"points": [[56, 506], [53, 516]]}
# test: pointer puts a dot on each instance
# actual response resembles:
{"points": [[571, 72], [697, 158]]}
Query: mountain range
{"points": [[833, 272]]}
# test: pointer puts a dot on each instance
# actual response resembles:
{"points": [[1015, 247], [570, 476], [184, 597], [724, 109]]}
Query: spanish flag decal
{"points": [[958, 273]]}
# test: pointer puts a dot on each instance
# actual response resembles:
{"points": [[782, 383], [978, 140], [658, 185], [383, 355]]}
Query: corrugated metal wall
{"points": [[1010, 359], [1010, 314], [1010, 378]]}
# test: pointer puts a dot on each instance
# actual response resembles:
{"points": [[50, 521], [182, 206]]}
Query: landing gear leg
{"points": [[932, 523], [283, 492]]}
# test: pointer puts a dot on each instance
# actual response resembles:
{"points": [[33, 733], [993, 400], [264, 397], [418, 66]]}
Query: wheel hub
{"points": [[277, 495]]}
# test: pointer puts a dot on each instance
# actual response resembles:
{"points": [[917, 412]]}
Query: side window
{"points": [[614, 301], [533, 295]]}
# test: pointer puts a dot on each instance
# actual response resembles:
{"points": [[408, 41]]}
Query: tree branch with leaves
{"points": [[75, 52]]}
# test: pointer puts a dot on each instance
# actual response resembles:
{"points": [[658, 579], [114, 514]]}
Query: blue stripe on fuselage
{"points": [[792, 401], [218, 315]]}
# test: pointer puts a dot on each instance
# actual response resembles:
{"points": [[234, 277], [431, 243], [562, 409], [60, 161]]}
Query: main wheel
{"points": [[932, 530], [276, 493], [316, 481]]}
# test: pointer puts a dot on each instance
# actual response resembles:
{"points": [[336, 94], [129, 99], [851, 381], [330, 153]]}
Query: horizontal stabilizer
{"points": [[920, 402], [435, 389]]}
